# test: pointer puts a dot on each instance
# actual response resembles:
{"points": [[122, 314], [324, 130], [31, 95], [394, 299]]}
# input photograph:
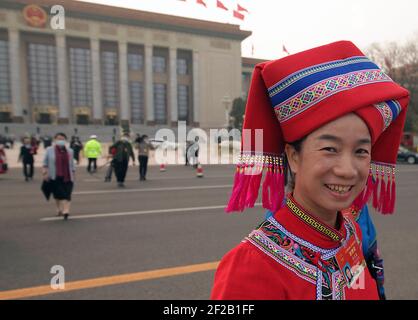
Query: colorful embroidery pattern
{"points": [[389, 111], [296, 76], [308, 219], [304, 99], [284, 247], [288, 260]]}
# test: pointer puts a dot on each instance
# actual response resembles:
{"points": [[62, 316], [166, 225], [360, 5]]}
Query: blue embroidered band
{"points": [[305, 88]]}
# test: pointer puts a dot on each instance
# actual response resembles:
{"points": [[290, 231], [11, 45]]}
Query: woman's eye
{"points": [[330, 149], [363, 151]]}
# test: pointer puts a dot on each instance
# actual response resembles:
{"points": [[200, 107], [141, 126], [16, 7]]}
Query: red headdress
{"points": [[293, 96]]}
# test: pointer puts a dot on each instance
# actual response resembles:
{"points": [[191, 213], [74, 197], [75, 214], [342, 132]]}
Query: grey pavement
{"points": [[121, 231]]}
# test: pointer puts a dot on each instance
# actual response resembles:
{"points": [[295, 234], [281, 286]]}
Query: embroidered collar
{"points": [[314, 222]]}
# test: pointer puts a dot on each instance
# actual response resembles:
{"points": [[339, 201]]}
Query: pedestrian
{"points": [[122, 152], [186, 153], [47, 140], [58, 171], [34, 141], [3, 158], [77, 146], [144, 146], [26, 155], [110, 158], [92, 150], [331, 124], [192, 152]]}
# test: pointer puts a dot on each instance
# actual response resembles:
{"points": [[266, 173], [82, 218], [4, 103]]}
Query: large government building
{"points": [[114, 66]]}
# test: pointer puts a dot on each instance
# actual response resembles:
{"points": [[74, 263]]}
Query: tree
{"points": [[400, 62], [237, 112]]}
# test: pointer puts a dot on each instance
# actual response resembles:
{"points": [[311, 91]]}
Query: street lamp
{"points": [[226, 100]]}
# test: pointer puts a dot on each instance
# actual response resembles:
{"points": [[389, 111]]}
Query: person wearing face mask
{"points": [[26, 155], [58, 171], [122, 152], [325, 123]]}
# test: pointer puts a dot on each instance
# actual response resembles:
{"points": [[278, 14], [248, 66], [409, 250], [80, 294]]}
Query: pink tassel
{"points": [[364, 196], [389, 188], [382, 198], [252, 194], [387, 202], [375, 192], [358, 202], [369, 189], [234, 199], [281, 189], [393, 196], [267, 189], [274, 190], [243, 192]]}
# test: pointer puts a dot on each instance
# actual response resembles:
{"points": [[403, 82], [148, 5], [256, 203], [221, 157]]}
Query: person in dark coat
{"points": [[123, 150], [77, 146], [27, 151]]}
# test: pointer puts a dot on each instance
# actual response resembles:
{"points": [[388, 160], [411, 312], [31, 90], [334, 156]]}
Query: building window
{"points": [[80, 77], [158, 64], [136, 92], [160, 103], [42, 67], [5, 96], [182, 67], [135, 61], [246, 79], [110, 83], [183, 102]]}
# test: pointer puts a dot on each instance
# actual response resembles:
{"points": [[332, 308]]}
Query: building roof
{"points": [[251, 62], [118, 15]]}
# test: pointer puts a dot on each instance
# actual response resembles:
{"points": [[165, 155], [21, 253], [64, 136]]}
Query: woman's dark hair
{"points": [[289, 176], [62, 134]]}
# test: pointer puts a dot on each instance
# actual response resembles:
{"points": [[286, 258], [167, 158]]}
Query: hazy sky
{"points": [[299, 24]]}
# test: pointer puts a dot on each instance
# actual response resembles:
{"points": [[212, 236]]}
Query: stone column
{"points": [[15, 75], [97, 86], [123, 84], [173, 107], [196, 98], [63, 88], [149, 88]]}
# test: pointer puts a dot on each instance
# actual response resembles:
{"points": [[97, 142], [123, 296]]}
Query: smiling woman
{"points": [[334, 161], [334, 119]]}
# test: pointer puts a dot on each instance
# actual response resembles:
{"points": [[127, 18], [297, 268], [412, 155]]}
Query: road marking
{"points": [[153, 189], [229, 176], [136, 213], [108, 281]]}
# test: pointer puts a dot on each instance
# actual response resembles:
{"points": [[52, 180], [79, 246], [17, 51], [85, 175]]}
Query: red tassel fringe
{"points": [[247, 183], [382, 190]]}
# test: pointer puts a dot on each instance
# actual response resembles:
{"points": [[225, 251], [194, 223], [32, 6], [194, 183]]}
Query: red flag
{"points": [[238, 15], [239, 8], [285, 50], [221, 5], [201, 2]]}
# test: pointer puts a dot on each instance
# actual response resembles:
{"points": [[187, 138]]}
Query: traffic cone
{"points": [[199, 171], [162, 167]]}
